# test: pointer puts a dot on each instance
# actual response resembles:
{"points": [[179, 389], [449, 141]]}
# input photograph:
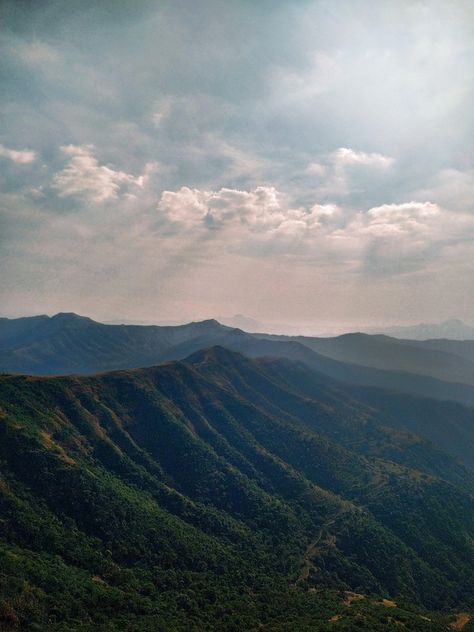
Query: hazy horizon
{"points": [[247, 323], [308, 164]]}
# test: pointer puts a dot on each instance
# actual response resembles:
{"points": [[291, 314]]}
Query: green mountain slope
{"points": [[390, 426], [401, 381], [449, 426], [71, 344], [190, 496], [443, 362]]}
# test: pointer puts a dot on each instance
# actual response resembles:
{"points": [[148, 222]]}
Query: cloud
{"points": [[392, 220], [315, 169], [384, 240], [256, 223], [292, 86], [266, 211], [36, 53], [22, 157], [325, 212], [212, 209], [85, 177], [349, 114], [186, 207], [345, 156], [261, 210], [396, 238], [452, 188], [346, 171], [161, 111]]}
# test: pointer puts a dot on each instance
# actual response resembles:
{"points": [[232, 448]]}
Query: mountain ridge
{"points": [[139, 477], [453, 328], [69, 344]]}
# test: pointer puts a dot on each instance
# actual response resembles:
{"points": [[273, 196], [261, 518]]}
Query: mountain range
{"points": [[199, 477], [225, 493], [67, 344], [452, 329]]}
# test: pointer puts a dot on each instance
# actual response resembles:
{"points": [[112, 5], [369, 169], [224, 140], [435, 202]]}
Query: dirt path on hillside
{"points": [[462, 620], [312, 549]]}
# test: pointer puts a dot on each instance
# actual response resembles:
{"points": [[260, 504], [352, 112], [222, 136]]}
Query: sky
{"points": [[305, 162]]}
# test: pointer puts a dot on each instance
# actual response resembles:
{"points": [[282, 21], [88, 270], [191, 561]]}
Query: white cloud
{"points": [[404, 237], [386, 239], [185, 207], [266, 211], [22, 156], [215, 208], [259, 222], [84, 176], [451, 188], [424, 223], [260, 207], [345, 171], [345, 156], [315, 169], [391, 220], [325, 212], [260, 210]]}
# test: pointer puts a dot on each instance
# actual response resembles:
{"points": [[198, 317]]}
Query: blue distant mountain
{"points": [[453, 329]]}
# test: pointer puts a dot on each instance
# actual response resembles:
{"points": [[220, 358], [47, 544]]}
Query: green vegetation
{"points": [[223, 494]]}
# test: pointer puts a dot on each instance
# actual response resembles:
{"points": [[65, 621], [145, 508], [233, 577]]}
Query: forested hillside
{"points": [[223, 493]]}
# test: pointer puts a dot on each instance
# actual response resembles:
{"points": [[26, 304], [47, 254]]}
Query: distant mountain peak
{"points": [[217, 353], [209, 324], [66, 318], [452, 329], [209, 321], [71, 315]]}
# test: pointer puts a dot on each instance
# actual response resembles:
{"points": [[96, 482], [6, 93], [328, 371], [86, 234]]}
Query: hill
{"points": [[71, 344], [445, 362], [223, 493], [447, 425], [68, 343]]}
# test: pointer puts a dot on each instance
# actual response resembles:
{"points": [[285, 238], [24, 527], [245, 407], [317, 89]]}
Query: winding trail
{"points": [[312, 549], [462, 620]]}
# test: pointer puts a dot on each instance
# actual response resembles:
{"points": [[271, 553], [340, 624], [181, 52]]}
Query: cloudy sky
{"points": [[308, 162]]}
